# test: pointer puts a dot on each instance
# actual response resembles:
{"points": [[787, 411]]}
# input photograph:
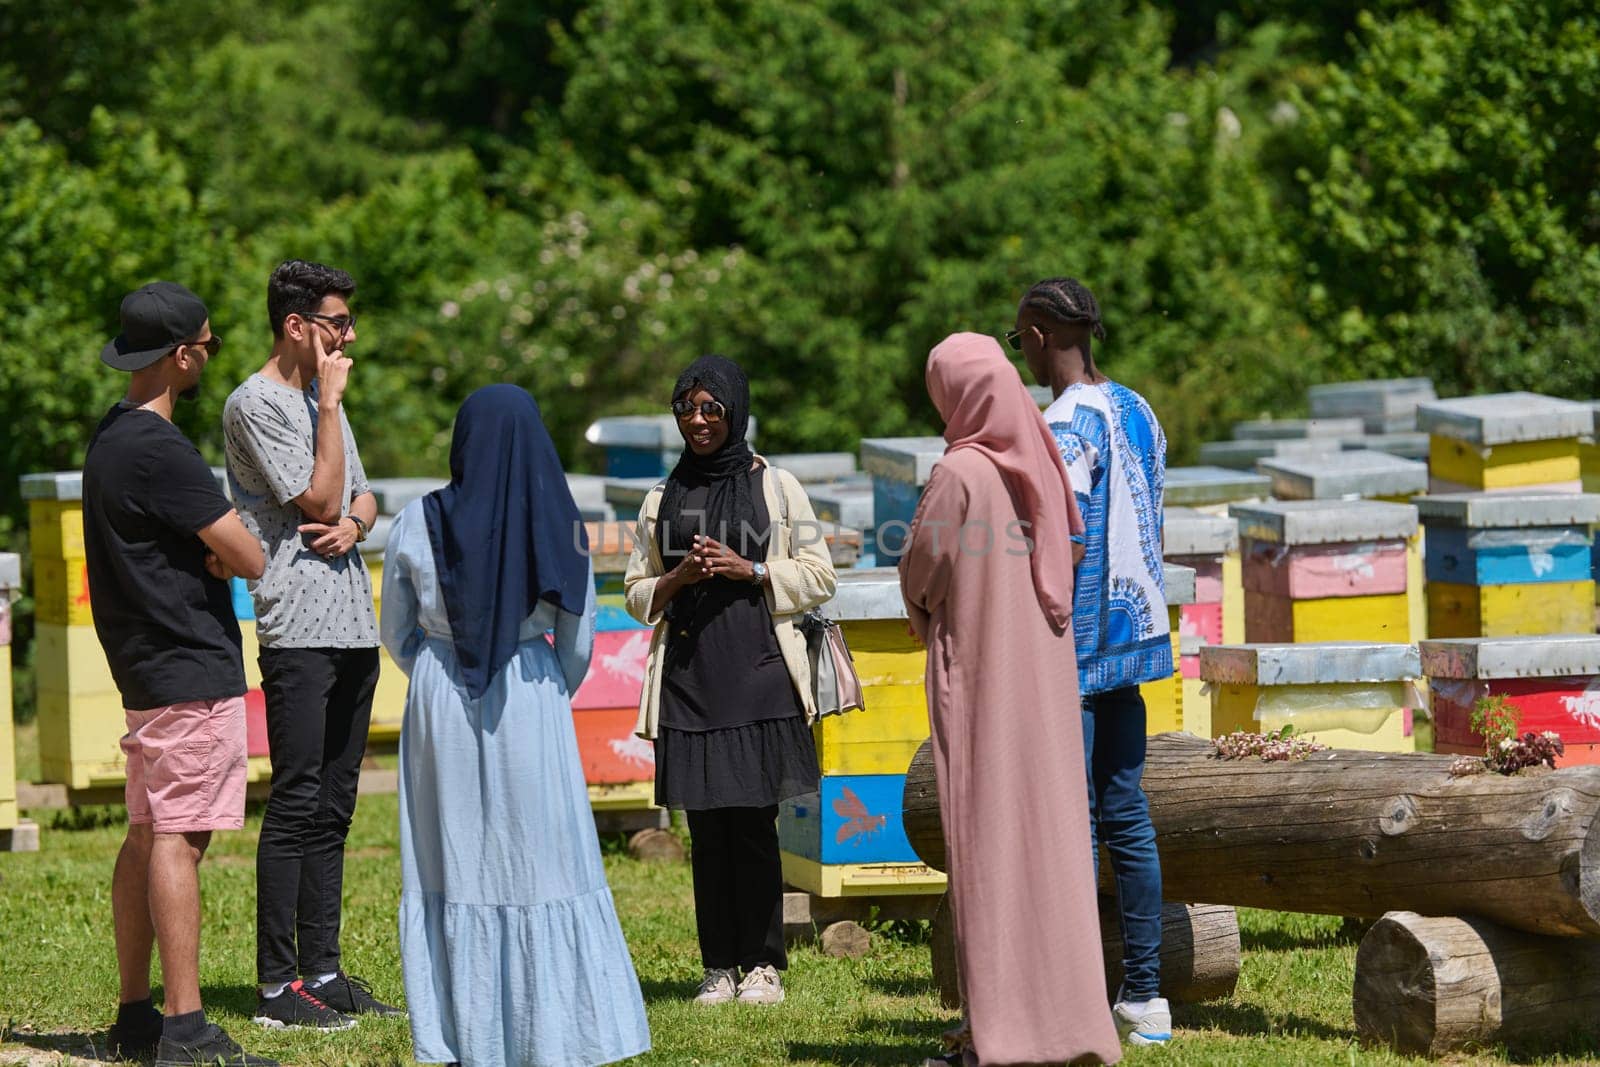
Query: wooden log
{"points": [[919, 809], [846, 940], [1199, 952], [1432, 986], [656, 846], [1360, 834]]}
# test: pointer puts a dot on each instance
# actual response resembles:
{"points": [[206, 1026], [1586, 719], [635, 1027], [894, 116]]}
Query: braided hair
{"points": [[1068, 300]]}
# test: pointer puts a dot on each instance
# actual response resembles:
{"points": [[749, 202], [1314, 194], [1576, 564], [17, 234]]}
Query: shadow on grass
{"points": [[237, 999], [657, 990], [901, 987], [83, 1046], [899, 1041], [1248, 1020]]}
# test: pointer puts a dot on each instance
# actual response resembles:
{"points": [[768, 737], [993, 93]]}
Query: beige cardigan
{"points": [[799, 577]]}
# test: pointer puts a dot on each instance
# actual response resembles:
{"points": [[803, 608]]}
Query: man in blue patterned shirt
{"points": [[1115, 454]]}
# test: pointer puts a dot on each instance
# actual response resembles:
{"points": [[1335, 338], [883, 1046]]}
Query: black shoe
{"points": [[297, 1009], [214, 1049], [352, 996], [135, 1040]]}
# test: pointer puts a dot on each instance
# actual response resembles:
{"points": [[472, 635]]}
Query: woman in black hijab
{"points": [[722, 568]]}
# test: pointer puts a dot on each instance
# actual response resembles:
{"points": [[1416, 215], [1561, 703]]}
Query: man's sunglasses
{"points": [[1014, 337], [713, 411], [210, 344], [342, 324]]}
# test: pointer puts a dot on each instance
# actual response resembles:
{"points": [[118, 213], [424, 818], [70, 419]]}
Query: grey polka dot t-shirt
{"points": [[302, 600]]}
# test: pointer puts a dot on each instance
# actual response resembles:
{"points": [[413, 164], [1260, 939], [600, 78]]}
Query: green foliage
{"points": [[1496, 718]]}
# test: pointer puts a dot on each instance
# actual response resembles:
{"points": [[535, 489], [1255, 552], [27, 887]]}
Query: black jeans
{"points": [[738, 887], [319, 703]]}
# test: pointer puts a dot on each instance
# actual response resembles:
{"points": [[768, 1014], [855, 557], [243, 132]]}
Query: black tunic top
{"points": [[723, 666]]}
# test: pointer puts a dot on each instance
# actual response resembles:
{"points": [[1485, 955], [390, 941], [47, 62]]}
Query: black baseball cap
{"points": [[155, 319]]}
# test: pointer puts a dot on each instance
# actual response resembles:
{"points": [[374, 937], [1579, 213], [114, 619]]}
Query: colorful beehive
{"points": [[389, 699], [1296, 429], [1500, 564], [1322, 570], [642, 446], [1164, 699], [1345, 694], [1552, 681], [1243, 455], [899, 467], [1210, 545], [1589, 452], [1384, 406], [10, 588], [1504, 442], [848, 838], [80, 710], [1212, 489], [1349, 475], [619, 767]]}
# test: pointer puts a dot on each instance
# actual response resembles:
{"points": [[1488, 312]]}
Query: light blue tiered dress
{"points": [[510, 944]]}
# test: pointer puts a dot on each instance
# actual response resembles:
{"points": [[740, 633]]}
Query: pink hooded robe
{"points": [[1002, 685]]}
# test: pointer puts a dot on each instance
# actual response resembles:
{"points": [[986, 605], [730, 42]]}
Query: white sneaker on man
{"points": [[761, 986], [1147, 1022], [717, 986]]}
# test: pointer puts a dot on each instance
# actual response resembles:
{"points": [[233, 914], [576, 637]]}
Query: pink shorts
{"points": [[186, 766]]}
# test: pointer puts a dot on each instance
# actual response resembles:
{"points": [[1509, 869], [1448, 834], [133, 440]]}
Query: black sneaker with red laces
{"points": [[296, 1008], [352, 996]]}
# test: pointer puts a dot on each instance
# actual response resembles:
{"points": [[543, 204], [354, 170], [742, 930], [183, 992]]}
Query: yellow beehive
{"points": [[1503, 466], [1232, 598], [860, 879], [1417, 604], [389, 699], [56, 529], [882, 737], [8, 751], [1196, 708], [61, 591], [1385, 617], [1163, 700], [1519, 608], [79, 738], [1234, 708]]}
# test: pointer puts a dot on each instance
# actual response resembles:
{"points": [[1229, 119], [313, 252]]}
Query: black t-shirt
{"points": [[167, 626]]}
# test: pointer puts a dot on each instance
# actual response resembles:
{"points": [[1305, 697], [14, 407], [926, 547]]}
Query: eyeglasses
{"points": [[713, 411], [210, 344], [342, 324], [1014, 337]]}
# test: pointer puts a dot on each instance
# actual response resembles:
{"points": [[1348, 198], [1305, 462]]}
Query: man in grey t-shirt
{"points": [[298, 484]]}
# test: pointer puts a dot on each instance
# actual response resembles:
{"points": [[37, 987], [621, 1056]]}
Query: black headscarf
{"points": [[506, 533], [726, 472]]}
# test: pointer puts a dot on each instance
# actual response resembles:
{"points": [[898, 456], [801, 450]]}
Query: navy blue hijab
{"points": [[506, 533]]}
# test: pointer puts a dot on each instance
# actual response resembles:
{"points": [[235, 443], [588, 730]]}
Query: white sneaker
{"points": [[1143, 1023], [761, 986], [716, 987]]}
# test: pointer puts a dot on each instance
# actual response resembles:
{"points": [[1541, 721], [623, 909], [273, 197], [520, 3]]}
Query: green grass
{"points": [[58, 971]]}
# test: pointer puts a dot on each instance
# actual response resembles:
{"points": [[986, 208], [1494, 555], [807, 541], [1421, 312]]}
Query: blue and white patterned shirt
{"points": [[1116, 455]]}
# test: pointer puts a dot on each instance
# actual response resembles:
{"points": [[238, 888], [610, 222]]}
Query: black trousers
{"points": [[738, 887], [319, 704]]}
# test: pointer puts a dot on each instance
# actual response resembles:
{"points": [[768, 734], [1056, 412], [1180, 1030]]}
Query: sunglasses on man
{"points": [[713, 411], [210, 344]]}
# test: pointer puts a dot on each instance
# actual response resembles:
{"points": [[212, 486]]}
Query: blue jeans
{"points": [[1119, 818]]}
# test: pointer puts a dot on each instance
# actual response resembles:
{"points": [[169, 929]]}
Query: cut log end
{"points": [[656, 846], [846, 940]]}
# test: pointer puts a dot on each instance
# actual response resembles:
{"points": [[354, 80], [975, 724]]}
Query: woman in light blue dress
{"points": [[510, 945]]}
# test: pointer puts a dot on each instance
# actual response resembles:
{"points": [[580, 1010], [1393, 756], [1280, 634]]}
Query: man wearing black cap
{"points": [[160, 542]]}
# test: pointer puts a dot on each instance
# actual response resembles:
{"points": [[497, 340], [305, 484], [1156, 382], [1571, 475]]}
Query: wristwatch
{"points": [[759, 573], [361, 528]]}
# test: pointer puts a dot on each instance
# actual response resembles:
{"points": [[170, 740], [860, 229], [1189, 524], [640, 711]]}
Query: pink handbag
{"points": [[835, 684]]}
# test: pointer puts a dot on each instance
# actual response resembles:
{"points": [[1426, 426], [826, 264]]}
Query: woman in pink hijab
{"points": [[1002, 684]]}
